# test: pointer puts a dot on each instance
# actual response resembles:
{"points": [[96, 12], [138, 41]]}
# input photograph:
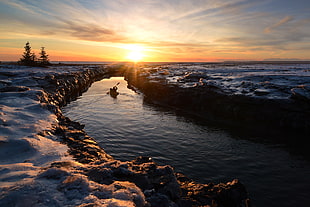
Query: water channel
{"points": [[126, 127]]}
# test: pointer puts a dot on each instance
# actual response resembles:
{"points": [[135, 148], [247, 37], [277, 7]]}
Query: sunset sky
{"points": [[156, 30]]}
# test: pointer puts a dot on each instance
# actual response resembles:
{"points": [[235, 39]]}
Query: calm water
{"points": [[126, 128]]}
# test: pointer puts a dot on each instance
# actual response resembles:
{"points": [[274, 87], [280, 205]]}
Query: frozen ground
{"points": [[271, 81], [27, 150], [22, 150]]}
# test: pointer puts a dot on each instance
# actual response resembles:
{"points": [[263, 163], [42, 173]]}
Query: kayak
{"points": [[113, 92]]}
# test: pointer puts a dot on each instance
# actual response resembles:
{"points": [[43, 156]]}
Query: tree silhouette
{"points": [[28, 58], [43, 57]]}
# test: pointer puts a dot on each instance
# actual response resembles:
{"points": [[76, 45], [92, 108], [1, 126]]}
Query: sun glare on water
{"points": [[135, 53]]}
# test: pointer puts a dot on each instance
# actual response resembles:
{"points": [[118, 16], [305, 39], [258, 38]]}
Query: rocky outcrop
{"points": [[62, 89], [160, 185], [213, 104]]}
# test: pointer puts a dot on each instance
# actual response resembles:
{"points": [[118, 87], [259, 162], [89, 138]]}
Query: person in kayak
{"points": [[113, 91]]}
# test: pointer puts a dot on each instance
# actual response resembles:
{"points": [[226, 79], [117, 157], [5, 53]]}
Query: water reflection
{"points": [[127, 127]]}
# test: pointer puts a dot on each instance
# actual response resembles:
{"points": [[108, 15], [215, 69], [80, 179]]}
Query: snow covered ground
{"points": [[271, 81], [28, 148], [22, 150]]}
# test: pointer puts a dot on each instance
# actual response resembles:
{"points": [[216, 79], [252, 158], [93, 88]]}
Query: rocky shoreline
{"points": [[160, 185], [94, 178], [265, 116]]}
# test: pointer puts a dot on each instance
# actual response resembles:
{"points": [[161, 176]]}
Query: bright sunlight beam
{"points": [[135, 53]]}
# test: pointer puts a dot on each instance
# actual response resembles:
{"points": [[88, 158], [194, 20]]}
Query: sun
{"points": [[135, 53], [135, 56]]}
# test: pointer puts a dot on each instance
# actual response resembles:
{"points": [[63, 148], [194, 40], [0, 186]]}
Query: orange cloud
{"points": [[91, 32]]}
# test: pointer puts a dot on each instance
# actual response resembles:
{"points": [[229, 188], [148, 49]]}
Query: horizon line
{"points": [[141, 62]]}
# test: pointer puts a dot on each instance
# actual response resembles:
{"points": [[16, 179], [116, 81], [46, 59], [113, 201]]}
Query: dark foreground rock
{"points": [[211, 103], [160, 185]]}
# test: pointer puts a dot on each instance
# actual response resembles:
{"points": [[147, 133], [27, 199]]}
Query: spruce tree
{"points": [[43, 57], [28, 57]]}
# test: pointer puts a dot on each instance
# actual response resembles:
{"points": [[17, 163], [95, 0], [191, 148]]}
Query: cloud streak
{"points": [[91, 32], [278, 24], [192, 27]]}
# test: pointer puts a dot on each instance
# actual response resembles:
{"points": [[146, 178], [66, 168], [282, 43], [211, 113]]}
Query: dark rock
{"points": [[221, 195], [100, 175], [142, 159], [301, 93], [161, 200], [14, 89], [53, 173], [261, 92], [211, 103]]}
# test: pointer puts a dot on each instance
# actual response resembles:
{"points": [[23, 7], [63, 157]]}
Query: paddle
{"points": [[116, 84], [113, 87]]}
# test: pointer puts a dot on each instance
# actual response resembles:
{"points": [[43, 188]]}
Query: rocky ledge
{"points": [[257, 115], [141, 182]]}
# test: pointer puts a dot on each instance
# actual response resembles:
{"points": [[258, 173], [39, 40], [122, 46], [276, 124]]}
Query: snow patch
{"points": [[272, 81]]}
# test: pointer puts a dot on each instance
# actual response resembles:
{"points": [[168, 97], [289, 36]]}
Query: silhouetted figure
{"points": [[113, 91]]}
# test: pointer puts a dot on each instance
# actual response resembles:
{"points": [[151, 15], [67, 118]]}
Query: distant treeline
{"points": [[29, 58]]}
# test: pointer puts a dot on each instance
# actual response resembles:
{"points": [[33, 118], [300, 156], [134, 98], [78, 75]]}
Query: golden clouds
{"points": [[170, 30]]}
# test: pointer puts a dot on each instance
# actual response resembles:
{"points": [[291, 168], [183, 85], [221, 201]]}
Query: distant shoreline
{"points": [[55, 63]]}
